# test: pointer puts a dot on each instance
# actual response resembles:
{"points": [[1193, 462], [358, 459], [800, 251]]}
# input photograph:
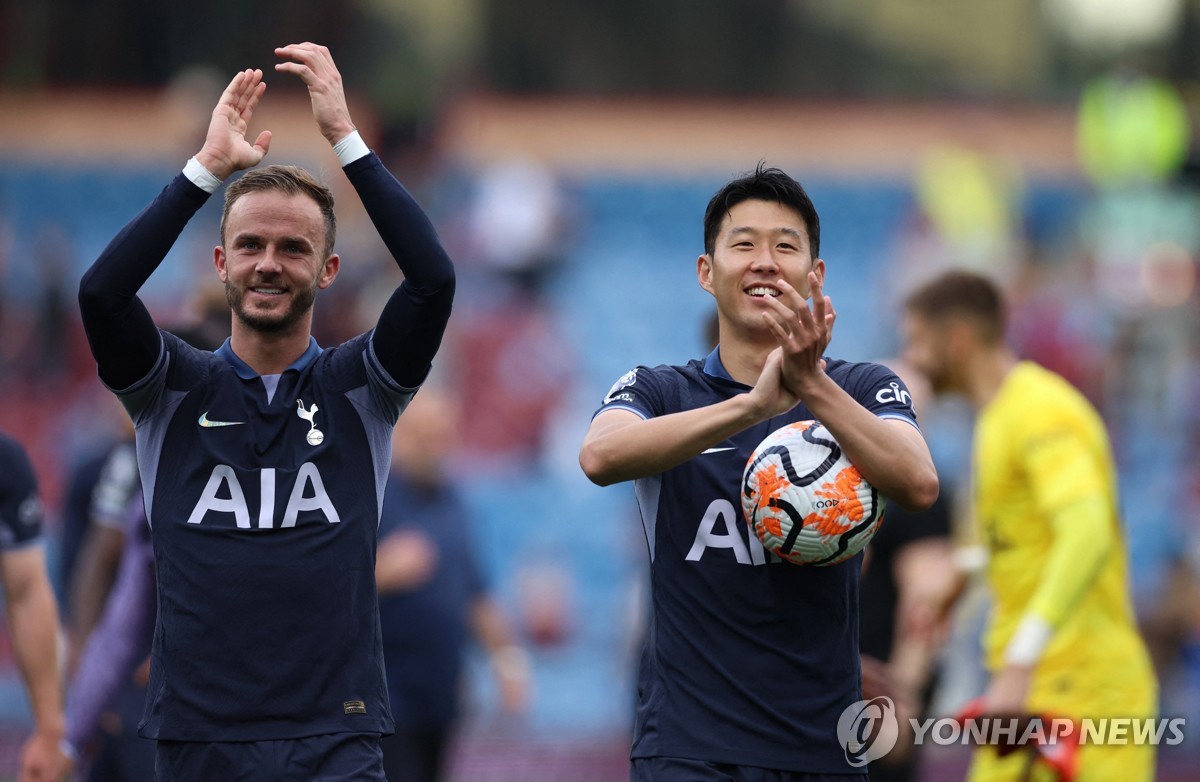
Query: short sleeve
{"points": [[881, 391], [21, 510], [638, 390]]}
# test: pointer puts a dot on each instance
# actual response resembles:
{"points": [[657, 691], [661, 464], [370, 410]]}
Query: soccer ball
{"points": [[805, 500]]}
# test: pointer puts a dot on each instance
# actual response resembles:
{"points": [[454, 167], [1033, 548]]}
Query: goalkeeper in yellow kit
{"points": [[1062, 639]]}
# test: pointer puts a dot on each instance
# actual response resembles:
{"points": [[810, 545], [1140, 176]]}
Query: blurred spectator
{"points": [[432, 597], [971, 202], [46, 350], [1133, 129], [518, 222], [514, 367]]}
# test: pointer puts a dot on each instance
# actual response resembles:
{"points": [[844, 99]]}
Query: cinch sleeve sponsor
{"points": [[636, 391]]}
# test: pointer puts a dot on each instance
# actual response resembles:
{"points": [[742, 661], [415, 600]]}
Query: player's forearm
{"points": [[892, 457], [123, 338], [1084, 534], [33, 617], [640, 448]]}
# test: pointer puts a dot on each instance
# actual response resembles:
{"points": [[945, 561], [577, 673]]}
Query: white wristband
{"points": [[201, 177], [1029, 641], [971, 559], [351, 148]]}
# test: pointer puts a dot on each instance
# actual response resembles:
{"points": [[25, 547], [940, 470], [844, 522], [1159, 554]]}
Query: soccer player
{"points": [[263, 463], [749, 661], [32, 612], [1062, 639]]}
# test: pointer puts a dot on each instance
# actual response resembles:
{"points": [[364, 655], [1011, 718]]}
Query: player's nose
{"points": [[764, 261], [268, 262]]}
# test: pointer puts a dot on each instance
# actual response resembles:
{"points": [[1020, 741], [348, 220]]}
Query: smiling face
{"points": [[272, 261], [758, 243]]}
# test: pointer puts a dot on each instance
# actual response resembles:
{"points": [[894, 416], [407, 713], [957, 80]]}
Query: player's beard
{"points": [[271, 322]]}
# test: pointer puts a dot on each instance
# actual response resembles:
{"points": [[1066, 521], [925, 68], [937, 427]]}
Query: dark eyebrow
{"points": [[250, 236], [748, 230]]}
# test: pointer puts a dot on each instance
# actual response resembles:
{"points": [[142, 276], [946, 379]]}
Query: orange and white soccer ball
{"points": [[805, 500]]}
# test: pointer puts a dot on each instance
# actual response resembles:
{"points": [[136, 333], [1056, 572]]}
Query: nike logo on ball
{"points": [[205, 422]]}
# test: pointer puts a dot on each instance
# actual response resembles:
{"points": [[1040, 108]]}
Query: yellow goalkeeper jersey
{"points": [[1047, 509]]}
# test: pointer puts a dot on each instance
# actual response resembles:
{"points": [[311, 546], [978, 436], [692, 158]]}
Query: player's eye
{"points": [[786, 246]]}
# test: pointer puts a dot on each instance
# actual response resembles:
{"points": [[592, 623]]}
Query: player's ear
{"points": [[329, 271], [818, 268], [219, 262], [704, 272]]}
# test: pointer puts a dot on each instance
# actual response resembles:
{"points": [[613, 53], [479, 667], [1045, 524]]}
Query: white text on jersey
{"points": [[300, 498], [747, 552]]}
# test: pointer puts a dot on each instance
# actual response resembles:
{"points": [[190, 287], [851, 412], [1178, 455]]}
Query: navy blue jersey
{"points": [[264, 510], [749, 660], [20, 504], [264, 492]]}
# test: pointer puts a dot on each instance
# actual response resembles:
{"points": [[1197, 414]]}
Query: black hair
{"points": [[765, 184]]}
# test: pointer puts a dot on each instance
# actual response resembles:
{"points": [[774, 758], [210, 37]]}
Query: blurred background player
{"points": [[106, 692], [32, 612], [433, 599], [1062, 639], [99, 485], [741, 649]]}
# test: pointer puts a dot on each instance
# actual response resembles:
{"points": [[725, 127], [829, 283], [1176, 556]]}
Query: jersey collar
{"points": [[244, 371], [714, 367]]}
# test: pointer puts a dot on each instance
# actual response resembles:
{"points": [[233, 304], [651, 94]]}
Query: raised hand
{"points": [[769, 394], [226, 148], [314, 65], [803, 333]]}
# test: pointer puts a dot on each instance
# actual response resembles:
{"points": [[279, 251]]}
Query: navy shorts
{"points": [[335, 757], [684, 770]]}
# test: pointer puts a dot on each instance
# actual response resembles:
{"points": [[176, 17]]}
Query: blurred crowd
{"points": [[1103, 276]]}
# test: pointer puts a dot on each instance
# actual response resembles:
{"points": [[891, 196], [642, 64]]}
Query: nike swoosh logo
{"points": [[717, 450], [205, 422]]}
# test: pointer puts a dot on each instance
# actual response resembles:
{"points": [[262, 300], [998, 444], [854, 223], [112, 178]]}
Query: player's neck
{"points": [[987, 373], [744, 360], [268, 353]]}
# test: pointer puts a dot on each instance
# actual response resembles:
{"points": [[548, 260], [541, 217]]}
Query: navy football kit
{"points": [[263, 493], [20, 504], [749, 660]]}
